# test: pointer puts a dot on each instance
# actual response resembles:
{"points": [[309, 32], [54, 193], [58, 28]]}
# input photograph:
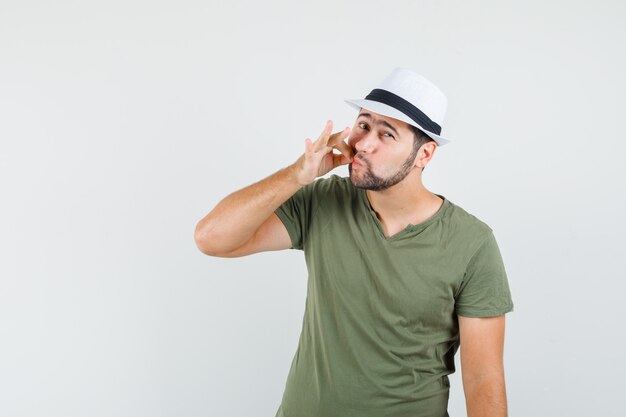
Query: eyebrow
{"points": [[380, 122]]}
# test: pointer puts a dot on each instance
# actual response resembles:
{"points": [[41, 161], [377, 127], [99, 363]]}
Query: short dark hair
{"points": [[420, 138]]}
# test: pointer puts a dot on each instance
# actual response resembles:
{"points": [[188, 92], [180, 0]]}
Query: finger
{"points": [[338, 143], [345, 150], [337, 136], [308, 146], [320, 143], [340, 159]]}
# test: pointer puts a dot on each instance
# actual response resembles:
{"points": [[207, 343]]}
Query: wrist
{"points": [[292, 171]]}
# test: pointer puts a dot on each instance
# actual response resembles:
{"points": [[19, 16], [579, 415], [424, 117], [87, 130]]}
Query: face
{"points": [[383, 149]]}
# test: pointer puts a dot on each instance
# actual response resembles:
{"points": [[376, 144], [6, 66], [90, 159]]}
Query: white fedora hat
{"points": [[407, 96]]}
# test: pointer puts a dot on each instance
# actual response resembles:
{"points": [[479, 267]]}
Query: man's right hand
{"points": [[318, 157], [245, 222]]}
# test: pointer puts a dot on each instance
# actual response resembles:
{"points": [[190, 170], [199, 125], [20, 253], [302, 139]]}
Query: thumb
{"points": [[341, 159]]}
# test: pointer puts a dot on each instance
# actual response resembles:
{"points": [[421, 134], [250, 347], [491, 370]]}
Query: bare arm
{"points": [[235, 220], [482, 345]]}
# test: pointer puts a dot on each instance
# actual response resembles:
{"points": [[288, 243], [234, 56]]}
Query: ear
{"points": [[425, 153]]}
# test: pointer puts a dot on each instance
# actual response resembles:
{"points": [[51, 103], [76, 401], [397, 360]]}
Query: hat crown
{"points": [[417, 90], [409, 97]]}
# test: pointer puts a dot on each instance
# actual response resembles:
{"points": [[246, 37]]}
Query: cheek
{"points": [[391, 162]]}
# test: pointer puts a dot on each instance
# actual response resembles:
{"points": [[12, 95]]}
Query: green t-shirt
{"points": [[380, 327]]}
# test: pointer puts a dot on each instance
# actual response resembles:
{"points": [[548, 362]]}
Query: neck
{"points": [[406, 202]]}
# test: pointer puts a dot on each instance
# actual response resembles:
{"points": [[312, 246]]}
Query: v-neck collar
{"points": [[410, 229]]}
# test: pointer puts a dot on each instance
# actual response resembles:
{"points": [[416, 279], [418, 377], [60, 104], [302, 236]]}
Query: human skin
{"points": [[390, 171], [235, 220], [389, 168], [231, 228]]}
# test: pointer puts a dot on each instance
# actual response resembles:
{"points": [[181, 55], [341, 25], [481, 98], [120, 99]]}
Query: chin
{"points": [[355, 183]]}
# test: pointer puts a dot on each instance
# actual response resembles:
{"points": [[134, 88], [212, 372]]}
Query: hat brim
{"points": [[387, 110]]}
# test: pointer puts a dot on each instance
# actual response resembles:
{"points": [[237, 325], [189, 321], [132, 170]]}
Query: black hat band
{"points": [[397, 102]]}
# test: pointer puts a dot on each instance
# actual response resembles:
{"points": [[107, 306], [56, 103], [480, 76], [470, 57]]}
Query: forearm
{"points": [[236, 217], [486, 397]]}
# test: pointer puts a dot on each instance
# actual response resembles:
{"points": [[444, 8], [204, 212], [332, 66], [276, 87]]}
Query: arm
{"points": [[482, 347], [230, 229], [233, 223]]}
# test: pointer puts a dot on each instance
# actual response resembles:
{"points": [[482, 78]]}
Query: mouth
{"points": [[356, 162]]}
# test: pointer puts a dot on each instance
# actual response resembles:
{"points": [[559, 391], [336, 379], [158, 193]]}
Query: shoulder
{"points": [[467, 227], [333, 185], [334, 180], [462, 216]]}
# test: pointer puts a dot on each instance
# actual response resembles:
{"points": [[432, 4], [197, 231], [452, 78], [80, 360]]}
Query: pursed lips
{"points": [[358, 161]]}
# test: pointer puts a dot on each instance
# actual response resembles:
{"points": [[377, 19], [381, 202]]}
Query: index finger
{"points": [[336, 141], [323, 138]]}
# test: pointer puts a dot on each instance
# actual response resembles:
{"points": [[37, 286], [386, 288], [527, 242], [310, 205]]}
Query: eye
{"points": [[386, 133]]}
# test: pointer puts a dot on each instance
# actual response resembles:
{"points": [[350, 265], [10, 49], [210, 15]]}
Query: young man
{"points": [[399, 277]]}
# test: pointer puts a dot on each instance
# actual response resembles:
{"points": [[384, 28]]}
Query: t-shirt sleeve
{"points": [[484, 290], [296, 214]]}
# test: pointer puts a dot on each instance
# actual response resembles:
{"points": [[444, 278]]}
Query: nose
{"points": [[364, 143]]}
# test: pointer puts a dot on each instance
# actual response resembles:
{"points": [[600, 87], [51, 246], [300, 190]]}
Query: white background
{"points": [[122, 123]]}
